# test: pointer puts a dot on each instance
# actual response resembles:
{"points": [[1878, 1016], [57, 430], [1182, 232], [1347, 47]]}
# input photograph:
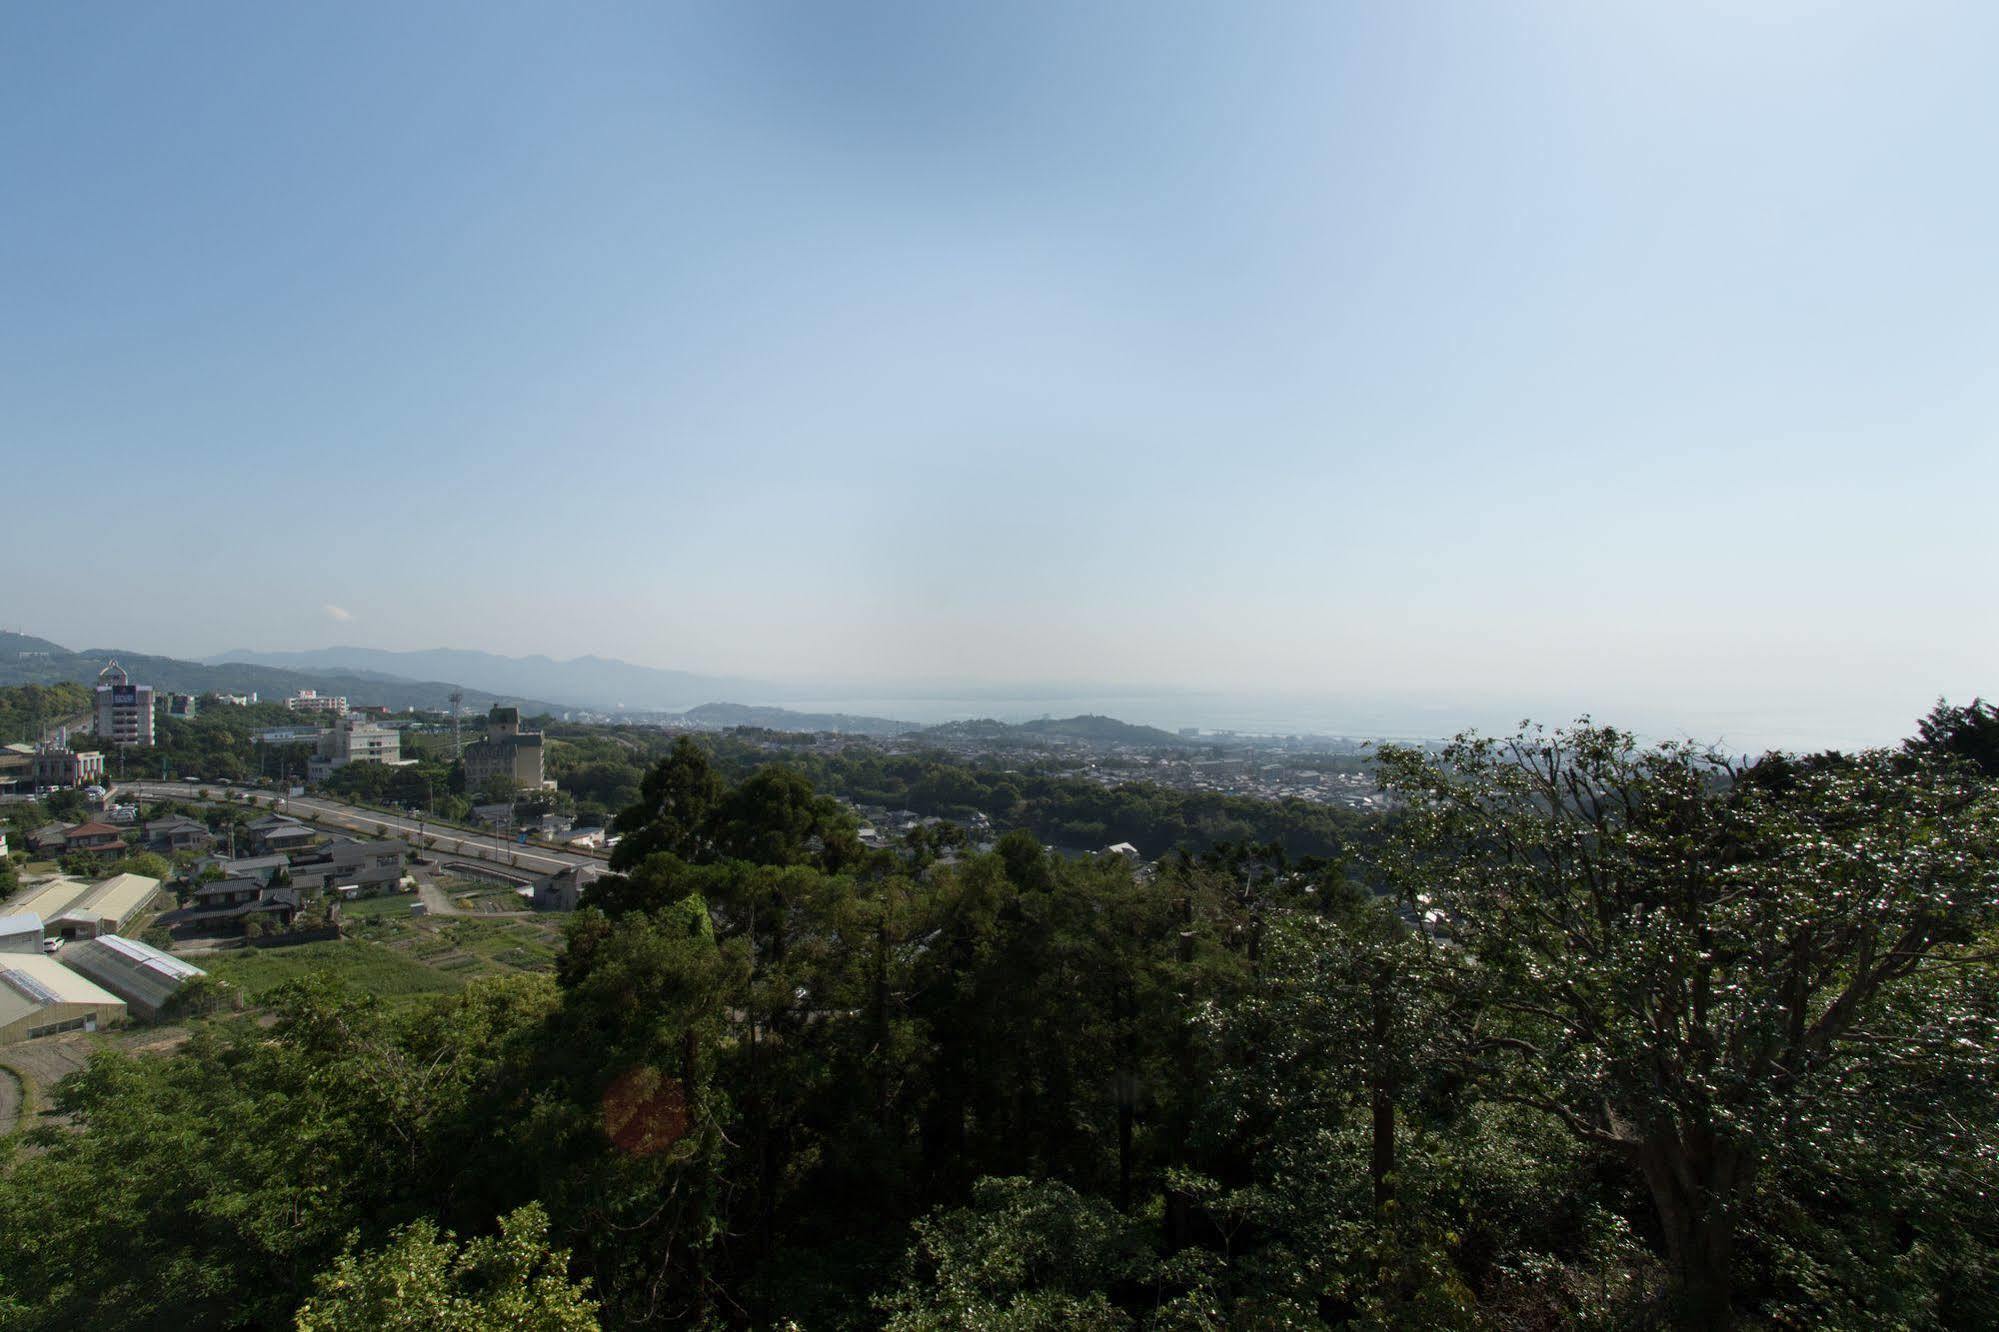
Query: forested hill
{"points": [[1096, 729], [27, 712], [28, 660]]}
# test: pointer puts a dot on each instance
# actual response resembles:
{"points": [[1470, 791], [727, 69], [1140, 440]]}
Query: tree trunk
{"points": [[1381, 1164], [1694, 1194], [881, 997], [1127, 1095], [1381, 1086]]}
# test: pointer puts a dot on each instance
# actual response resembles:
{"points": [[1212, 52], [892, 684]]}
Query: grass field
{"points": [[394, 906], [368, 967]]}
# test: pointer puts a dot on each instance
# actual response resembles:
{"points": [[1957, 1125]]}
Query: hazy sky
{"points": [[1590, 351]]}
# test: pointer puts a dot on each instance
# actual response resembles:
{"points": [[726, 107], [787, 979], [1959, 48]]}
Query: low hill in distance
{"points": [[1089, 728], [784, 719], [28, 660]]}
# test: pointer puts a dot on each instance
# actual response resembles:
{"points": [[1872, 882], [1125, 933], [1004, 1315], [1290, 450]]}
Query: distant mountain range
{"points": [[599, 683], [28, 660]]}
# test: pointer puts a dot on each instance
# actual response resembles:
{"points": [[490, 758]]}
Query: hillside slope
{"points": [[585, 682]]}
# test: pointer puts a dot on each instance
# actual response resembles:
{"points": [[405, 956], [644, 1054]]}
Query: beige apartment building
{"points": [[354, 741]]}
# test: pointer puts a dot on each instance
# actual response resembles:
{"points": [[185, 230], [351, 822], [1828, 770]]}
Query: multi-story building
{"points": [[58, 765], [307, 700], [355, 741], [182, 705], [124, 710], [507, 752]]}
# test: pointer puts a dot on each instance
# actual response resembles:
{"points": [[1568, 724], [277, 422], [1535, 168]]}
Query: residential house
{"points": [[562, 890], [93, 836], [369, 867], [47, 838], [227, 893], [261, 868], [178, 834], [229, 905], [275, 833]]}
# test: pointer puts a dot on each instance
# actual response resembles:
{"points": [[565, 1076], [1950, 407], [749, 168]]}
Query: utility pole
{"points": [[457, 706]]}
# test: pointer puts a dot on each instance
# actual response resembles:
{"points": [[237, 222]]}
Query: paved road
{"points": [[10, 1101], [436, 901], [537, 860]]}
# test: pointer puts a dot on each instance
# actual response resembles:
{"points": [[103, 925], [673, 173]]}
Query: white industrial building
{"points": [[21, 933], [39, 996]]}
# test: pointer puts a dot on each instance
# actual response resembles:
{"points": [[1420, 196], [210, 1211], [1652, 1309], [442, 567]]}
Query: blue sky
{"points": [[1604, 356]]}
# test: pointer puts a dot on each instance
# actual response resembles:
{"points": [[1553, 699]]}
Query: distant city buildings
{"points": [[124, 710], [182, 706], [307, 700], [507, 752], [239, 700]]}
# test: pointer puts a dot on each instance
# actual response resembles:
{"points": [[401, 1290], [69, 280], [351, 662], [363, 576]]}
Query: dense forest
{"points": [[1068, 811], [1590, 1034]]}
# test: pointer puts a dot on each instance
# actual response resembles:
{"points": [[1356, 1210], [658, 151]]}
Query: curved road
{"points": [[442, 837]]}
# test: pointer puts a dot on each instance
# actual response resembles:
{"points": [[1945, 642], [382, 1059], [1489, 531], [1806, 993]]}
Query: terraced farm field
{"points": [[400, 958]]}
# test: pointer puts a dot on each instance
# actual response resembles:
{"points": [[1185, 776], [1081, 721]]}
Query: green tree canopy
{"points": [[424, 1281], [1678, 961]]}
